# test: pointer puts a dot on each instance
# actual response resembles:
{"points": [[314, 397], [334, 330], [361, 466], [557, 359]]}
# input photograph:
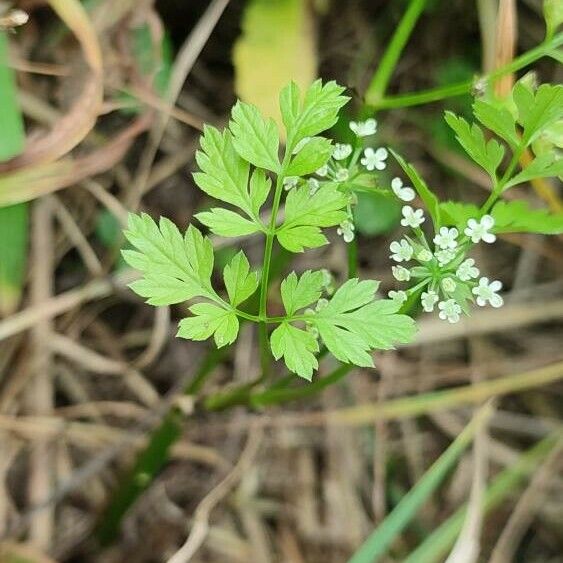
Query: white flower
{"points": [[405, 193], [346, 230], [364, 128], [428, 300], [314, 186], [301, 144], [290, 182], [321, 304], [444, 256], [480, 230], [400, 273], [341, 151], [322, 171], [412, 217], [486, 291], [424, 255], [374, 159], [449, 311], [467, 270], [402, 250], [342, 174], [448, 284], [398, 296], [446, 238]]}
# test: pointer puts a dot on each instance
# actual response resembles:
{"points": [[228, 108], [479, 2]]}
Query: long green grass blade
{"points": [[379, 541], [13, 219], [436, 546]]}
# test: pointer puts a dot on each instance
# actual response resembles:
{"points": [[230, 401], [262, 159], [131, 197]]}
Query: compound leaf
{"points": [[297, 347], [457, 213], [538, 109], [210, 320], [240, 282], [226, 223], [324, 209], [517, 217], [299, 292], [487, 154], [311, 157], [175, 268], [260, 186], [352, 323], [543, 166], [498, 119], [255, 139], [317, 113], [224, 174], [297, 239]]}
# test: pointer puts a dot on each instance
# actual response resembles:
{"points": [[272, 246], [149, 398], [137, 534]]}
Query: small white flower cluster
{"points": [[443, 276], [346, 163]]}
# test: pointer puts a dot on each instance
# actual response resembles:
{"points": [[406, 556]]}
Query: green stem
{"points": [[460, 88], [378, 85], [352, 251], [275, 396], [270, 235], [499, 187]]}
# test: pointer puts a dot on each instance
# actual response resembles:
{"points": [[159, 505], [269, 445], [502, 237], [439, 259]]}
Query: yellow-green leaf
{"points": [[277, 45]]}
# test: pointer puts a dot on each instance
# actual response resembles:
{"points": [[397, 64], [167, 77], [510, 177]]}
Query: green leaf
{"points": [[240, 282], [14, 220], [379, 541], [352, 323], [537, 110], [517, 217], [255, 139], [304, 214], [324, 209], [210, 320], [318, 112], [224, 174], [488, 155], [297, 239], [297, 347], [311, 157], [543, 166], [298, 293], [175, 268], [456, 213], [426, 194], [275, 36], [227, 223], [260, 186], [498, 119]]}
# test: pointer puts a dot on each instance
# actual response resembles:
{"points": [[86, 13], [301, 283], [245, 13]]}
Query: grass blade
{"points": [[437, 544], [379, 541], [13, 219]]}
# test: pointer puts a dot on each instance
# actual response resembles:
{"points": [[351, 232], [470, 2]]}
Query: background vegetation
{"points": [[119, 442]]}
